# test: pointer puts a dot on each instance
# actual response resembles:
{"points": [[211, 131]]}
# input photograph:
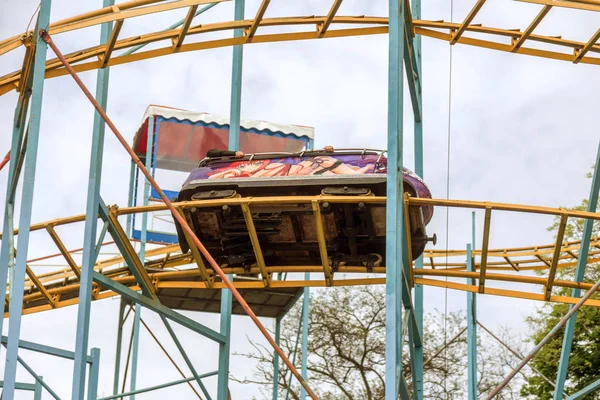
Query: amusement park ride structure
{"points": [[155, 278]]}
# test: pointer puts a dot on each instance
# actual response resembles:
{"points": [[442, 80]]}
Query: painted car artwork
{"points": [[354, 232]]}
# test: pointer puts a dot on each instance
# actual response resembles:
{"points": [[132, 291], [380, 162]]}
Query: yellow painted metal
{"points": [[100, 56], [409, 256], [165, 267], [322, 243], [459, 32], [557, 250], [266, 276], [184, 28], [484, 248], [204, 274], [63, 250], [110, 45], [251, 31], [518, 42]]}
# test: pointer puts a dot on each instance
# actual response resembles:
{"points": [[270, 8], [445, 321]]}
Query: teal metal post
{"points": [[563, 365], [175, 25], [276, 360], [223, 378], [236, 82], [234, 144], [294, 353], [419, 170], [585, 391], [37, 393], [157, 387], [91, 225], [7, 255], [394, 218], [16, 301], [146, 198], [135, 349], [185, 357], [130, 196], [305, 315], [471, 332], [94, 374], [119, 346], [142, 254]]}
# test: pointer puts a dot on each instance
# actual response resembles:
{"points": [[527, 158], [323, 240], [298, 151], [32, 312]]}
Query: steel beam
{"points": [[43, 349], [157, 307], [118, 346], [16, 300], [135, 350], [175, 25], [91, 224], [484, 248], [185, 356], [236, 82], [419, 170], [276, 360], [471, 332], [94, 374], [234, 144], [553, 332], [126, 249], [146, 195], [305, 319], [585, 391], [157, 387], [225, 330], [579, 274], [394, 214]]}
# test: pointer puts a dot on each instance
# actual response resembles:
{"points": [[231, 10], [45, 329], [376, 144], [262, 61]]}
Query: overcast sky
{"points": [[523, 130]]}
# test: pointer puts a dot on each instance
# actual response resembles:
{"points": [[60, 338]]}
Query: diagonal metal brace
{"points": [[127, 250], [157, 307]]}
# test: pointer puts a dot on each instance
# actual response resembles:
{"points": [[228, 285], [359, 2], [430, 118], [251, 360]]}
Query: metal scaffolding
{"points": [[141, 276]]}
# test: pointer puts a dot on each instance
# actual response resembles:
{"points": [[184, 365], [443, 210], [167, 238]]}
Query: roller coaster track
{"points": [[318, 27], [168, 269]]}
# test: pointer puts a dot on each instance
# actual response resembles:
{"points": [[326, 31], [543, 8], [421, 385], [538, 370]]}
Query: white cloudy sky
{"points": [[523, 131]]}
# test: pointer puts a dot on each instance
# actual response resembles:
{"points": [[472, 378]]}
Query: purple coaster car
{"points": [[354, 232]]}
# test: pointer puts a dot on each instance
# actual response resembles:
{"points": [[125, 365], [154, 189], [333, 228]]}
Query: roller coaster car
{"points": [[354, 232]]}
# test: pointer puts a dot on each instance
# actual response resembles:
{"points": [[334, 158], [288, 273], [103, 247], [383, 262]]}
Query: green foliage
{"points": [[584, 363]]}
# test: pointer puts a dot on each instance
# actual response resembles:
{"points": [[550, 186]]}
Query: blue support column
{"points": [[563, 365], [94, 374], [305, 315], [419, 170], [236, 82], [130, 197], [471, 332], [146, 195], [234, 144], [585, 391], [185, 357], [276, 360], [223, 379], [118, 346], [7, 248], [91, 225], [135, 349], [394, 215], [37, 393], [16, 301]]}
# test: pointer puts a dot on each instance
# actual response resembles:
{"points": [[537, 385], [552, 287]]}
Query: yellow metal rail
{"points": [[166, 268], [318, 27]]}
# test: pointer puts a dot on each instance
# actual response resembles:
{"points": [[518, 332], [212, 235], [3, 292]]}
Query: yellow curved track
{"points": [[168, 269], [317, 27]]}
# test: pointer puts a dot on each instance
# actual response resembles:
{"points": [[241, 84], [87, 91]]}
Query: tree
{"points": [[584, 363], [346, 350]]}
